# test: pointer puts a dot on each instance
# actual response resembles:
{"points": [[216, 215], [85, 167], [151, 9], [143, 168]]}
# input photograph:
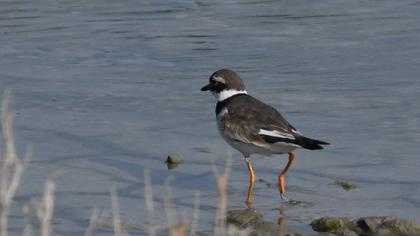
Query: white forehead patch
{"points": [[219, 79]]}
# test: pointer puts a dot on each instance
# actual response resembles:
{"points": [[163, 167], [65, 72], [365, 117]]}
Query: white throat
{"points": [[225, 94]]}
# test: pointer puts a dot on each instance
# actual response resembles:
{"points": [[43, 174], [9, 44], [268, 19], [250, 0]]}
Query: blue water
{"points": [[105, 89]]}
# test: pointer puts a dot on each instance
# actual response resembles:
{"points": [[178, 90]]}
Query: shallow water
{"points": [[106, 89]]}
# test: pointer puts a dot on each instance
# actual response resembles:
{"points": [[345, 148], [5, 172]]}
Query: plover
{"points": [[253, 127]]}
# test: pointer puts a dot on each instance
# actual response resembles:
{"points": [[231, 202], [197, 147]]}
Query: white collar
{"points": [[225, 94]]}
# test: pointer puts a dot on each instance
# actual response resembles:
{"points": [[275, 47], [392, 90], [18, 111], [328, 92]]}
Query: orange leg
{"points": [[282, 176], [248, 200]]}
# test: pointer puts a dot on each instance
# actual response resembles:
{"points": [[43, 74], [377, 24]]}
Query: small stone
{"points": [[346, 185], [172, 162]]}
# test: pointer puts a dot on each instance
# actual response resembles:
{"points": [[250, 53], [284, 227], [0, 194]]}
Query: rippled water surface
{"points": [[106, 89]]}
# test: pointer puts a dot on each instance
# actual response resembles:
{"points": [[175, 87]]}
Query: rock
{"points": [[172, 162], [370, 224], [388, 226], [384, 232], [253, 220], [346, 185], [329, 224], [402, 226], [243, 217], [364, 226], [345, 232]]}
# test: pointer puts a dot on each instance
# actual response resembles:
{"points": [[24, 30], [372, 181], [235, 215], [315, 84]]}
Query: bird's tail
{"points": [[311, 144]]}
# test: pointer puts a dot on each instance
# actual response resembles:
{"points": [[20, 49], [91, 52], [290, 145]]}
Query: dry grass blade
{"points": [[116, 212], [46, 209], [12, 167], [148, 198], [179, 230], [27, 231], [169, 209], [174, 230], [221, 183], [196, 214], [92, 222], [7, 128]]}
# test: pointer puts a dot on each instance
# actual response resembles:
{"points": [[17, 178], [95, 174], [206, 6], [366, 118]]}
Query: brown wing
{"points": [[247, 116]]}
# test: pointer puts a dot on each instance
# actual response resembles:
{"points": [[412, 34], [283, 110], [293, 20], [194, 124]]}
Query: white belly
{"points": [[267, 150], [248, 148]]}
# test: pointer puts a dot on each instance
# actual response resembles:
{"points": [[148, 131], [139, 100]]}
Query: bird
{"points": [[253, 127]]}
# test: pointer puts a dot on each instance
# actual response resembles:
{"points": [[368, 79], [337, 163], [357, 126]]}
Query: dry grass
{"points": [[221, 183], [196, 214], [148, 197], [116, 212], [12, 168], [45, 210], [92, 222], [182, 227]]}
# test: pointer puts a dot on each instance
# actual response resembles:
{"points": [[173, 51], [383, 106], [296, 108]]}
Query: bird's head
{"points": [[225, 83]]}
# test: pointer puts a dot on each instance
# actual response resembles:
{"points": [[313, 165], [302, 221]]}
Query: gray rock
{"points": [[243, 217], [370, 224], [253, 220], [382, 226], [172, 162], [345, 232], [329, 224], [346, 185], [366, 226]]}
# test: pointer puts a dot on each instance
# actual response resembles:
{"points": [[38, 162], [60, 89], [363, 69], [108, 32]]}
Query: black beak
{"points": [[206, 88]]}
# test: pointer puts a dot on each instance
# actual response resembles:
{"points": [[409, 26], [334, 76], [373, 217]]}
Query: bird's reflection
{"points": [[250, 211], [282, 219]]}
